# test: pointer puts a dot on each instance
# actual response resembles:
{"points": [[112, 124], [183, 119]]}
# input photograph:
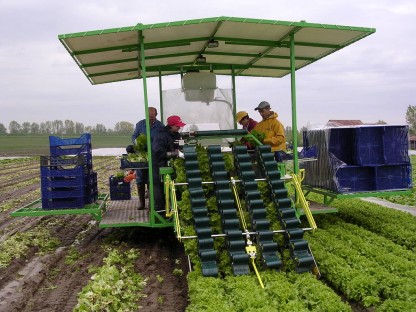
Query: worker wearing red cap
{"points": [[163, 148]]}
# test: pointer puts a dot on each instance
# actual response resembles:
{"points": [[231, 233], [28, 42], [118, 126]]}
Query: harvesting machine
{"points": [[200, 51]]}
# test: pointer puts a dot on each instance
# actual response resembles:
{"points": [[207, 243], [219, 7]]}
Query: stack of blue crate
{"points": [[67, 176], [361, 159]]}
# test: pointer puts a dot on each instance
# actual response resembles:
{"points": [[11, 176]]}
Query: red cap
{"points": [[175, 121]]}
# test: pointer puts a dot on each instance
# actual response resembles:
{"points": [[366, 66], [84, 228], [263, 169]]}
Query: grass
{"points": [[35, 145]]}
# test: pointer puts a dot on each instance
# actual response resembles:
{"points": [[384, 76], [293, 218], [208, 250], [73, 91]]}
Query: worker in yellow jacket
{"points": [[272, 128]]}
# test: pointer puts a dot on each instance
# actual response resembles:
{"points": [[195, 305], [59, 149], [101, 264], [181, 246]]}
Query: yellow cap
{"points": [[240, 115]]}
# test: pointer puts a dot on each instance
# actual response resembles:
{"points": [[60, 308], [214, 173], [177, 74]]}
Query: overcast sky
{"points": [[372, 79]]}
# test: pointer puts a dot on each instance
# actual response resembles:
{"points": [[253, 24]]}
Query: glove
{"points": [[181, 155], [130, 177], [172, 154]]}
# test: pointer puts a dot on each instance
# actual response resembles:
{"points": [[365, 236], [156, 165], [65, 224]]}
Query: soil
{"points": [[50, 283]]}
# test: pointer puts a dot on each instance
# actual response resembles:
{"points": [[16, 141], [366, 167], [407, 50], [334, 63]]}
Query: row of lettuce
{"points": [[366, 253]]}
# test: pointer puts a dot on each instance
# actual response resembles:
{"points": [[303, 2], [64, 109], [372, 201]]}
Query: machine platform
{"points": [[122, 213]]}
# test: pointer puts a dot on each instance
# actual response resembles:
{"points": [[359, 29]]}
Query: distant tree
{"points": [[3, 129], [14, 127], [100, 128], [69, 126], [288, 134], [46, 127], [381, 122], [411, 118], [79, 127], [57, 127], [25, 129], [88, 129], [124, 127], [34, 128]]}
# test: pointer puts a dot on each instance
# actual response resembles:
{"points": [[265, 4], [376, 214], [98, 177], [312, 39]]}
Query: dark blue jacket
{"points": [[163, 142], [141, 129]]}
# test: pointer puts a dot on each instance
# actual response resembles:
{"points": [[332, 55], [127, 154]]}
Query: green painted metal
{"points": [[34, 209], [160, 97], [293, 97], [329, 196], [231, 39], [234, 96], [148, 138]]}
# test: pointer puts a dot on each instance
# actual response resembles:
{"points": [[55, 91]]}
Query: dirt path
{"points": [[52, 282]]}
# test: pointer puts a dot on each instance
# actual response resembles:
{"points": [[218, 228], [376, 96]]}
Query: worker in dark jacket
{"points": [[142, 175], [163, 148]]}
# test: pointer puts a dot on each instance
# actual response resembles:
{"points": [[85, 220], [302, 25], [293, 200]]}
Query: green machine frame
{"points": [[229, 45]]}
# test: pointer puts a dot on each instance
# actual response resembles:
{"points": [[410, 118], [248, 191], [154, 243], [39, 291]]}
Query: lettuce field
{"points": [[366, 255]]}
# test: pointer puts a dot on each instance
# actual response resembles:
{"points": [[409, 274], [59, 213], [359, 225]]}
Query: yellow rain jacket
{"points": [[274, 132]]}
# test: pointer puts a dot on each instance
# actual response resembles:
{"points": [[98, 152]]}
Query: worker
{"points": [[272, 129], [142, 175], [163, 148], [244, 119], [248, 124]]}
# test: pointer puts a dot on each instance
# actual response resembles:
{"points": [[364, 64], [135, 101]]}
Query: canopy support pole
{"points": [[148, 139], [160, 96], [293, 97], [234, 96]]}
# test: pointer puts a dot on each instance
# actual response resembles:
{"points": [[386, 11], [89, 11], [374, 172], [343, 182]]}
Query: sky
{"points": [[373, 79]]}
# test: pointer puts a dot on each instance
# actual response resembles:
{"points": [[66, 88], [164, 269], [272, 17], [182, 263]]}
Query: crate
{"points": [[70, 150], [369, 146], [63, 172], [396, 145], [67, 161], [62, 192], [62, 203], [393, 177], [119, 190], [351, 179], [57, 141], [341, 144], [70, 146], [126, 164]]}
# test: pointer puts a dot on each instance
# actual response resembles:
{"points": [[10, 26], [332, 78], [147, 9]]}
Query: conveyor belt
{"points": [[299, 248], [200, 213], [256, 208], [227, 209]]}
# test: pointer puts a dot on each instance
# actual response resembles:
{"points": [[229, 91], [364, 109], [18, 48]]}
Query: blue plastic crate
{"points": [[62, 203], [396, 145], [62, 181], [66, 161], [59, 171], [351, 179], [91, 198], [62, 192], [70, 150], [57, 141], [393, 177], [341, 144], [119, 190], [369, 146]]}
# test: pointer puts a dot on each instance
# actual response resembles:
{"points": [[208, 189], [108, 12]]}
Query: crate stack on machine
{"points": [[360, 158], [67, 176]]}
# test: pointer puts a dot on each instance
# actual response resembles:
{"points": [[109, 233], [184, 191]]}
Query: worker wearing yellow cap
{"points": [[243, 119]]}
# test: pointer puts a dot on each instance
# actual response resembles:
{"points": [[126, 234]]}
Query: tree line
{"points": [[64, 127]]}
